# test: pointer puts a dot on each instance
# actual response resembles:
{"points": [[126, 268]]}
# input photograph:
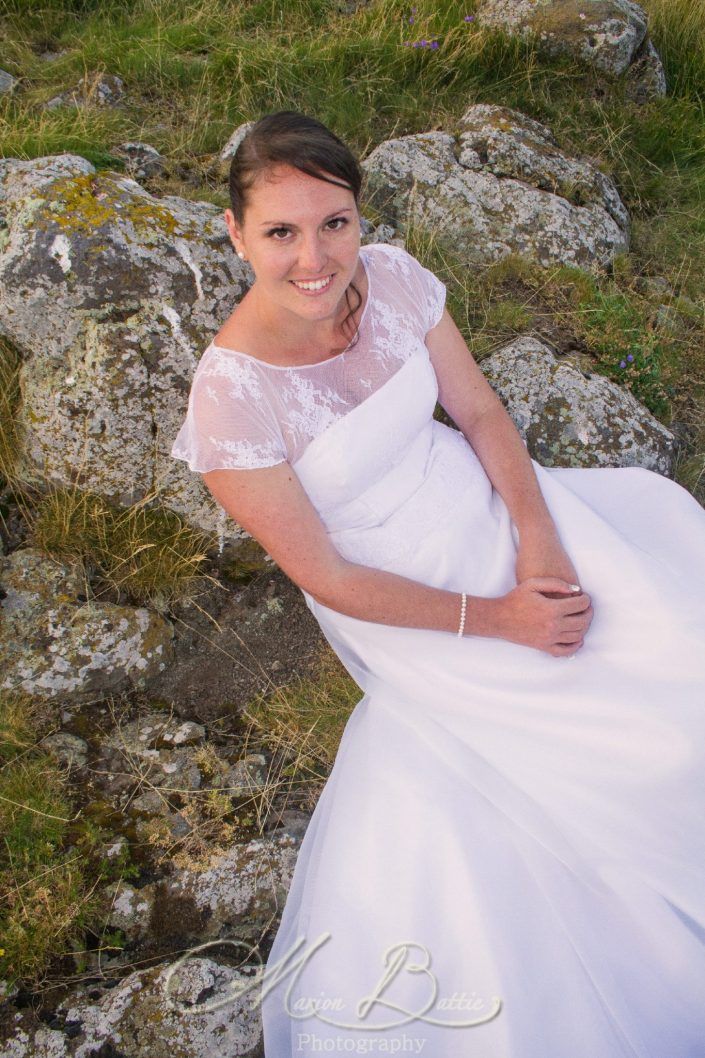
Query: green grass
{"points": [[148, 555], [51, 860]]}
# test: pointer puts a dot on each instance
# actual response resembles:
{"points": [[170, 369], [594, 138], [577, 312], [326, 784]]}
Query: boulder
{"points": [[99, 90], [195, 1007], [609, 35], [500, 185], [573, 418], [110, 295], [54, 645]]}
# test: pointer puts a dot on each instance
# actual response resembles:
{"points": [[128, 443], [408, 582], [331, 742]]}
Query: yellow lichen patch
{"points": [[84, 204]]}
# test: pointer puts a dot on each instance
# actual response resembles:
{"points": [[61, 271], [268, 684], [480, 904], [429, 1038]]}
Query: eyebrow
{"points": [[288, 224]]}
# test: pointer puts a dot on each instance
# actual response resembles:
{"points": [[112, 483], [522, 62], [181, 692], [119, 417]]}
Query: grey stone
{"points": [[569, 417], [610, 35], [54, 646], [500, 186]]}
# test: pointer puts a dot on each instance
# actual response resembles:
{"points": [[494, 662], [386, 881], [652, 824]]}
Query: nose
{"points": [[312, 256]]}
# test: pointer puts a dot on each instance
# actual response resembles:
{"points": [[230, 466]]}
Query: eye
{"points": [[272, 233]]}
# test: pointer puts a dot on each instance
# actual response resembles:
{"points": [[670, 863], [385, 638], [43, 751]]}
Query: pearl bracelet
{"points": [[462, 614]]}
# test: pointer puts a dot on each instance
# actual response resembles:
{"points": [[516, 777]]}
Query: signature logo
{"points": [[397, 959]]}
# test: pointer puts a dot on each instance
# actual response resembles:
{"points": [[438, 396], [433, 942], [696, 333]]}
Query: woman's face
{"points": [[299, 229]]}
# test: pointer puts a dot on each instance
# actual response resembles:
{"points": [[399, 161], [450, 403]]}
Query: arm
{"points": [[467, 396], [272, 505]]}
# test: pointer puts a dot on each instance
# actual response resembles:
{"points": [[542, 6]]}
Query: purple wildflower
{"points": [[423, 43], [434, 43], [469, 18], [622, 363], [630, 358], [411, 20]]}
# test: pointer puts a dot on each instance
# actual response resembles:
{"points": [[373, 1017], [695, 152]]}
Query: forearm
{"points": [[385, 598], [506, 461]]}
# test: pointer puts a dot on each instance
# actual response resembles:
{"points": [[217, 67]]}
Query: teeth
{"points": [[318, 285]]}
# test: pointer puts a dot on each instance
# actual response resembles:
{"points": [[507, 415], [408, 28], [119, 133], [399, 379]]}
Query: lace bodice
{"points": [[244, 413]]}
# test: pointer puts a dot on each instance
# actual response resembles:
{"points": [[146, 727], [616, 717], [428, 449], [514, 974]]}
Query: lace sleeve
{"points": [[432, 298], [228, 424], [424, 287]]}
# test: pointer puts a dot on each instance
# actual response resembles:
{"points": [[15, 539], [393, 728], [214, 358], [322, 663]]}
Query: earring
{"points": [[241, 255]]}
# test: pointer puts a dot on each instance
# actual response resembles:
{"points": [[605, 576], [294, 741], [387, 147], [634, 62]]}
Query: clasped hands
{"points": [[542, 611]]}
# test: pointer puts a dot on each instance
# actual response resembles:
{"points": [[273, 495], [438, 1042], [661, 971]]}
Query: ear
{"points": [[233, 230]]}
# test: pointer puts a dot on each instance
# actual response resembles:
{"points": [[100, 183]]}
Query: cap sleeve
{"points": [[432, 297], [425, 292], [229, 425]]}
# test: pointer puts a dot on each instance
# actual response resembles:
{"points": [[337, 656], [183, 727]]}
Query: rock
{"points": [[610, 35], [8, 83], [141, 160], [646, 78], [100, 90], [52, 645], [387, 234], [245, 776], [192, 1008], [242, 890], [147, 744], [67, 748], [130, 909], [235, 140], [239, 893], [570, 418], [111, 295], [293, 822], [501, 186]]}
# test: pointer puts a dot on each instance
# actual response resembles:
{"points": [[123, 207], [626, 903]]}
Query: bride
{"points": [[508, 858]]}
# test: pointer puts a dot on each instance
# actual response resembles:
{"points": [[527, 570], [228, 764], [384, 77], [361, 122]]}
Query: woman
{"points": [[508, 858]]}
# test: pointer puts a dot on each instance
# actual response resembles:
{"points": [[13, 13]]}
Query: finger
{"points": [[576, 604], [570, 637], [560, 651]]}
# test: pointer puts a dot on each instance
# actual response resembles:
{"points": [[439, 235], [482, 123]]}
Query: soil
{"points": [[233, 643]]}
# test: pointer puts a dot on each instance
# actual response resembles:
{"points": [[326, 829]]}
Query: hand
{"points": [[544, 613]]}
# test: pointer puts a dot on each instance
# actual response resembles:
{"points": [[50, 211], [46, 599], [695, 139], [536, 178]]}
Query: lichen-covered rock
{"points": [[100, 90], [238, 894], [54, 642], [111, 296], [68, 749], [235, 140], [610, 35], [242, 890], [500, 186], [572, 418], [8, 83], [156, 749], [141, 160], [193, 1008]]}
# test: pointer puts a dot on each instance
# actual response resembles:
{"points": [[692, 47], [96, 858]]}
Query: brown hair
{"points": [[289, 138]]}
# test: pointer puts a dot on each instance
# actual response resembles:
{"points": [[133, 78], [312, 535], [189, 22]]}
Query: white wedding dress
{"points": [[508, 858]]}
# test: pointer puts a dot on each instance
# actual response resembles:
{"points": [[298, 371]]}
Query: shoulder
{"points": [[396, 262], [388, 256]]}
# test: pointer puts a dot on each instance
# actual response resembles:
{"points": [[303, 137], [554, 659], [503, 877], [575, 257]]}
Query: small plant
{"points": [[147, 554]]}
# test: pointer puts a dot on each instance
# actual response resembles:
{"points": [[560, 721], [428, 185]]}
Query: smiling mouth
{"points": [[313, 284]]}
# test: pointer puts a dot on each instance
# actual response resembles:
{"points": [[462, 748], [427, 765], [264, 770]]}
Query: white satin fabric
{"points": [[514, 839]]}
